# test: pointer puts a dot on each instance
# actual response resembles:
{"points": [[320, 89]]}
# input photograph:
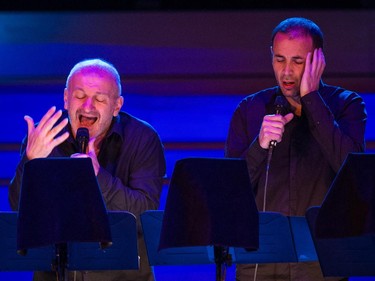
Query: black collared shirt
{"points": [[132, 165], [312, 149]]}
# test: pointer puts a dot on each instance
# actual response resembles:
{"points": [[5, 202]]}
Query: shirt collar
{"points": [[116, 128]]}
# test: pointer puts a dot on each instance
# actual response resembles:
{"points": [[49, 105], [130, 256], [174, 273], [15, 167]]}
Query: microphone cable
{"points": [[279, 107], [269, 156]]}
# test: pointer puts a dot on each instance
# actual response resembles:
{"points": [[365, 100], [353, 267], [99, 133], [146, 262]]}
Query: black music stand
{"points": [[343, 228], [281, 239], [151, 225], [211, 217], [210, 202], [60, 202], [122, 255]]}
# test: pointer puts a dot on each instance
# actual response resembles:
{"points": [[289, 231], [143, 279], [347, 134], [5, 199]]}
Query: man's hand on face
{"points": [[314, 68]]}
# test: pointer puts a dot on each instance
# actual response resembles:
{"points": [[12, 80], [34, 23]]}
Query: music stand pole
{"points": [[61, 261], [202, 207], [222, 258]]}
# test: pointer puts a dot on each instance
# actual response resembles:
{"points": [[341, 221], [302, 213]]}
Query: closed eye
{"points": [[299, 61], [80, 95], [100, 99]]}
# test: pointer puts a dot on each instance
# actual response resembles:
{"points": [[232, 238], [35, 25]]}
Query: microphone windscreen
{"points": [[280, 105], [82, 138]]}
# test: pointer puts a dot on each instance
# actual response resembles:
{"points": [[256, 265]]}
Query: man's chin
{"points": [[290, 93]]}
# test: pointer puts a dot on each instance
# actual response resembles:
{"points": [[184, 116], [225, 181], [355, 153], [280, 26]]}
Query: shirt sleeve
{"points": [[242, 140], [340, 131], [14, 188], [237, 142], [146, 172]]}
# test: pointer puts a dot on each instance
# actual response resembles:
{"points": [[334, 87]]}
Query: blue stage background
{"points": [[183, 72]]}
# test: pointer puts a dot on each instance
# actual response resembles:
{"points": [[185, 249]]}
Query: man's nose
{"points": [[288, 68], [89, 104]]}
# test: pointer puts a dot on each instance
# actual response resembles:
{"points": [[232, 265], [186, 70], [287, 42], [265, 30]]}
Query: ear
{"points": [[66, 98], [118, 104]]}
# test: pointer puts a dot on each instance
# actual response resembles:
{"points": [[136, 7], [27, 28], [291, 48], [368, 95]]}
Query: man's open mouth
{"points": [[86, 120], [287, 83]]}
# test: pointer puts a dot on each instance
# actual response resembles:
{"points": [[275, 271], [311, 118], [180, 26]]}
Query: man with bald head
{"points": [[126, 152]]}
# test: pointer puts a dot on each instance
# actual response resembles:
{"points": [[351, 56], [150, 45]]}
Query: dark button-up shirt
{"points": [[132, 168], [303, 165], [313, 146]]}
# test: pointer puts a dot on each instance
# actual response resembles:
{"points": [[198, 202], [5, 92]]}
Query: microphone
{"points": [[279, 108], [82, 138]]}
